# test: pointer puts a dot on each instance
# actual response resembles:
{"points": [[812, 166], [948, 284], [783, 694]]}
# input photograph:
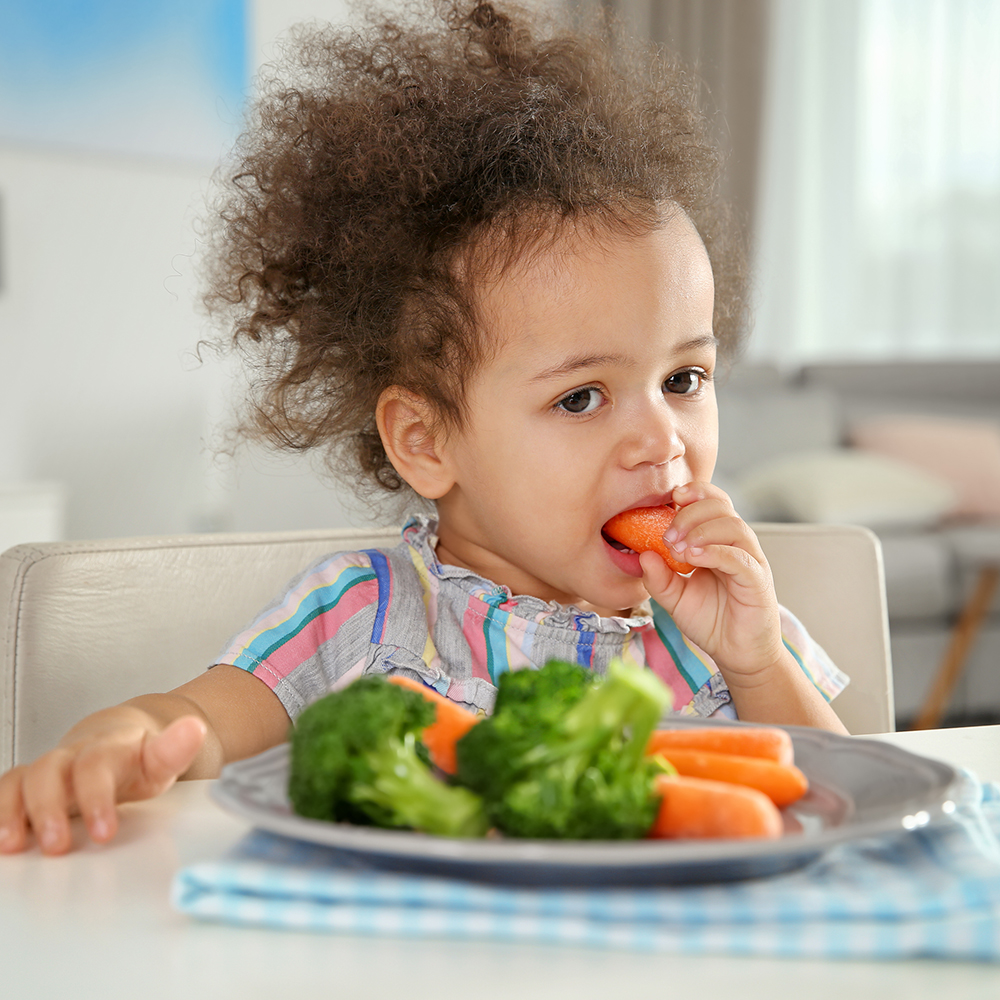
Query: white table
{"points": [[97, 923]]}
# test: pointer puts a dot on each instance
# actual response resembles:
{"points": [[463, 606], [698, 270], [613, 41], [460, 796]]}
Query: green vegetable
{"points": [[563, 756], [356, 757], [529, 704]]}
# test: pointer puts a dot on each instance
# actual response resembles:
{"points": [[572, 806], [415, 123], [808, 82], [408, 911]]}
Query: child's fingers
{"points": [[13, 818], [104, 774], [91, 779], [706, 508], [706, 516], [731, 561], [691, 518], [169, 754], [46, 801], [96, 775], [684, 496], [726, 529]]}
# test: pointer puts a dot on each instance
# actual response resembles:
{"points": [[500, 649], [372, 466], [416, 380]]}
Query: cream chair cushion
{"points": [[830, 576], [89, 624]]}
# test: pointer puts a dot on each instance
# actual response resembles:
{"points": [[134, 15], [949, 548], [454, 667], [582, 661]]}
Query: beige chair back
{"points": [[831, 578], [84, 625]]}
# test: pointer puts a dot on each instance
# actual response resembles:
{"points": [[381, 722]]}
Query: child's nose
{"points": [[652, 437]]}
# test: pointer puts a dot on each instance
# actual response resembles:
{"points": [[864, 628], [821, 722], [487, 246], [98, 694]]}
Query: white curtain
{"points": [[725, 43], [878, 217]]}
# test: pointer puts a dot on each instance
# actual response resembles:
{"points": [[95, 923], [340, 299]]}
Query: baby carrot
{"points": [[781, 783], [757, 741], [641, 529], [699, 807], [451, 724]]}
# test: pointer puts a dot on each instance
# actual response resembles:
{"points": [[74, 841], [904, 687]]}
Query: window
{"points": [[879, 213]]}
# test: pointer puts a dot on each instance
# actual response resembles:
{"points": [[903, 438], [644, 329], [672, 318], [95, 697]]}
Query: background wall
{"points": [[101, 390], [102, 394], [111, 425]]}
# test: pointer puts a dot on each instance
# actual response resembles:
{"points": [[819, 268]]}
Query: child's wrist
{"points": [[780, 693], [751, 674]]}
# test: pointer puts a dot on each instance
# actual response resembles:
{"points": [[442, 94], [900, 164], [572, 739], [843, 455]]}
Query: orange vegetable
{"points": [[757, 741], [700, 807], [451, 724], [781, 783], [641, 529]]}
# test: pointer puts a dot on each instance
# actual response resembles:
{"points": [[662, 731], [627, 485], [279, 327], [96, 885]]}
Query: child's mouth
{"points": [[614, 543], [624, 558]]}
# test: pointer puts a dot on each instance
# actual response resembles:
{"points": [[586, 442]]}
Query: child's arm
{"points": [[729, 609], [136, 751]]}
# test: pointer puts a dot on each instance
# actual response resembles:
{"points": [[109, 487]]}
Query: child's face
{"points": [[599, 399]]}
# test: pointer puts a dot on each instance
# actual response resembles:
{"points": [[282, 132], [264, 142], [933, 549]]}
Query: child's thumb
{"points": [[660, 581], [170, 753]]}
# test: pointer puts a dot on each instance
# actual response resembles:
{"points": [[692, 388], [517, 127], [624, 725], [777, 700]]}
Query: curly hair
{"points": [[352, 229]]}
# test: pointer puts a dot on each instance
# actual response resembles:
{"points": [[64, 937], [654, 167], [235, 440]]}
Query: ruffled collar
{"points": [[420, 533]]}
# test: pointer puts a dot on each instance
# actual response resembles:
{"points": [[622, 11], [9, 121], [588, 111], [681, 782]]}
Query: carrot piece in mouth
{"points": [[642, 528]]}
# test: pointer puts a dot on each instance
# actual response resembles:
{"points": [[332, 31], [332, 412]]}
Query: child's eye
{"points": [[581, 400], [686, 382]]}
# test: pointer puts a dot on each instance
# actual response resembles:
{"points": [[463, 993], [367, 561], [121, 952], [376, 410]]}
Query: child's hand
{"points": [[119, 755], [727, 605], [136, 751]]}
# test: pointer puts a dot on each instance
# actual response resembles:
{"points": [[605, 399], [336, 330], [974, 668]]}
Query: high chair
{"points": [[84, 625]]}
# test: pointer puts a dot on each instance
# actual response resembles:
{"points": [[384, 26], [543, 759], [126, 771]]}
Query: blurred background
{"points": [[863, 143]]}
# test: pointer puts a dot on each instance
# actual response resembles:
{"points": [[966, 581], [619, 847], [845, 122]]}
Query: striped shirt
{"points": [[383, 611]]}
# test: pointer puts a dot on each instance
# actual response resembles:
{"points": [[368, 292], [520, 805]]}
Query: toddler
{"points": [[478, 260]]}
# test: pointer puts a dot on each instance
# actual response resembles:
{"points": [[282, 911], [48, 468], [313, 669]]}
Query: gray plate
{"points": [[858, 788]]}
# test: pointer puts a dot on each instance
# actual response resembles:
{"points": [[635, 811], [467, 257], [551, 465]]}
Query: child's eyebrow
{"points": [[583, 361], [571, 365]]}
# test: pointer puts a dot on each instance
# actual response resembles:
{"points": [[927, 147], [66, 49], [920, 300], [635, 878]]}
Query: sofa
{"points": [[910, 449]]}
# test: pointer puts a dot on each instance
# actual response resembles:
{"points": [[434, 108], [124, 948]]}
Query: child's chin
{"points": [[617, 595], [622, 602]]}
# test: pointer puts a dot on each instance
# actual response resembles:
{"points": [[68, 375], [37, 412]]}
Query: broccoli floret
{"points": [[571, 764], [405, 792], [356, 757], [528, 704], [548, 692]]}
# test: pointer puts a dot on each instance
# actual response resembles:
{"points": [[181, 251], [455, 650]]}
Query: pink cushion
{"points": [[965, 452]]}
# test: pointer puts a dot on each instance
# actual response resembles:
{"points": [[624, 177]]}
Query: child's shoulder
{"points": [[380, 573], [350, 565]]}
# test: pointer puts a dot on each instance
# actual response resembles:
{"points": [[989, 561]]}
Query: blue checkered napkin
{"points": [[933, 892]]}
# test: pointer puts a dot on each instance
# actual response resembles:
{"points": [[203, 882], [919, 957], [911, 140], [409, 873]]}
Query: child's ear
{"points": [[412, 438]]}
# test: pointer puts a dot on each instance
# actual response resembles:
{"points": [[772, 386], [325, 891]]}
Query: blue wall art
{"points": [[160, 78]]}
